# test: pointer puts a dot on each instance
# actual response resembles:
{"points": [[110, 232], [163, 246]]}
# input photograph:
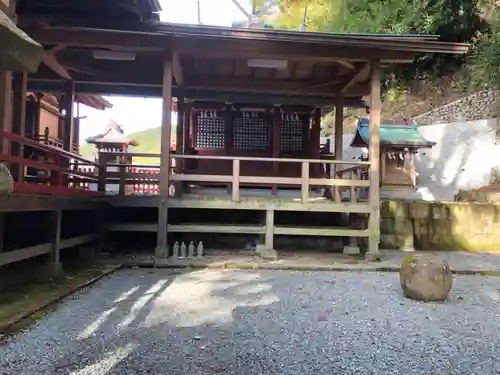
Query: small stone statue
{"points": [[183, 250], [191, 250], [200, 250], [176, 249]]}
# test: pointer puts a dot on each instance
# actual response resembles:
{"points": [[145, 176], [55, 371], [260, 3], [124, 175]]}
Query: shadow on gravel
{"points": [[256, 322]]}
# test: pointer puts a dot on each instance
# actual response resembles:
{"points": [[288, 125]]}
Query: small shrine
{"points": [[400, 140], [112, 139]]}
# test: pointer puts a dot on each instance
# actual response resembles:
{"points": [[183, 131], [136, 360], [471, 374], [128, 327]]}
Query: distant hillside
{"points": [[149, 142]]}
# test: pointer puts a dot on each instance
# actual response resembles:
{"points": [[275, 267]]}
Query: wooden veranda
{"points": [[237, 67]]}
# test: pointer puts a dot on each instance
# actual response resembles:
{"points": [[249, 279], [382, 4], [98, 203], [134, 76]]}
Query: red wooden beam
{"points": [[44, 166], [27, 188]]}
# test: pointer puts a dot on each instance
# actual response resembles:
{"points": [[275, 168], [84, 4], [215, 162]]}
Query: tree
{"points": [[452, 20]]}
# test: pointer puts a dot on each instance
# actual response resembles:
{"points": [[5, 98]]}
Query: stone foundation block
{"points": [[351, 250]]}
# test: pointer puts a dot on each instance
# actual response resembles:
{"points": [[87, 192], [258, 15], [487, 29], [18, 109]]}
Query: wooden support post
{"points": [[235, 186], [339, 135], [5, 108], [20, 86], [179, 137], [122, 171], [269, 239], [187, 125], [314, 143], [229, 146], [305, 182], [276, 144], [383, 159], [162, 238], [69, 99], [374, 150], [54, 268], [413, 171], [103, 169]]}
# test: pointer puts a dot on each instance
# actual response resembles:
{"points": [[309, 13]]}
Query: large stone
{"points": [[6, 181], [425, 277]]}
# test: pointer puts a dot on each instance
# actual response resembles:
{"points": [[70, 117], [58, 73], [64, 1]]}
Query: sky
{"points": [[136, 114]]}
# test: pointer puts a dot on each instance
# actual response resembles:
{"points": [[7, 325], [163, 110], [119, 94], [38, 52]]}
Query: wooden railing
{"points": [[51, 166], [124, 175], [55, 142]]}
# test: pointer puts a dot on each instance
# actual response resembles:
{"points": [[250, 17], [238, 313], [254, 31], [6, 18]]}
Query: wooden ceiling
{"points": [[216, 59]]}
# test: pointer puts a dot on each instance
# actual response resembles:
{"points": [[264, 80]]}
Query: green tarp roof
{"points": [[18, 52], [391, 135]]}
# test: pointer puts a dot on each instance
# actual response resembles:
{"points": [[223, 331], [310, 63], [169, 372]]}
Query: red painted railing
{"points": [[54, 164]]}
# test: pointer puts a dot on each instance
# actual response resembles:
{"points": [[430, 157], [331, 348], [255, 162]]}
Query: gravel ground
{"points": [[261, 322]]}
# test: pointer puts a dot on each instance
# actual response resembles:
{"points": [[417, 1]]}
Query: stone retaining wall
{"points": [[439, 226], [481, 105]]}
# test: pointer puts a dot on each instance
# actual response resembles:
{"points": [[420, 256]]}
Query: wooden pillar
{"points": [[413, 171], [374, 152], [54, 267], [339, 135], [179, 136], [187, 121], [5, 108], [69, 99], [314, 141], [20, 86], [276, 143], [162, 239]]}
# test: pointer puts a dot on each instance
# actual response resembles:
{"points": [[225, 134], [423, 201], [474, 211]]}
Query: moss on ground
{"points": [[30, 303]]}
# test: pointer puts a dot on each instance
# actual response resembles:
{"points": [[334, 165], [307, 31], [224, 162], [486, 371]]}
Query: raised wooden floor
{"points": [[250, 199], [42, 202]]}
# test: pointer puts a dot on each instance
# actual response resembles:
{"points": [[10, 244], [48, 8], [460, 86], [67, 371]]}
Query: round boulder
{"points": [[425, 277]]}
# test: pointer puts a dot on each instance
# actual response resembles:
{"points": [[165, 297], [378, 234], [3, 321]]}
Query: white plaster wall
{"points": [[463, 158]]}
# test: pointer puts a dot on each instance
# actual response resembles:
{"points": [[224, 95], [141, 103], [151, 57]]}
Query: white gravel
{"points": [[261, 322]]}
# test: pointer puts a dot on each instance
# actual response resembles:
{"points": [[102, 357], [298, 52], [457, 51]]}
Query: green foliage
{"points": [[485, 61], [452, 20]]}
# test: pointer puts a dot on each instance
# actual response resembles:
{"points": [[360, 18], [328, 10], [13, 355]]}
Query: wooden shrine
{"points": [[253, 131], [45, 118], [112, 139], [400, 140]]}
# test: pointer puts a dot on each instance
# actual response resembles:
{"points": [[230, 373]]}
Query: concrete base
{"points": [[260, 248], [161, 253], [351, 250], [269, 254], [373, 257]]}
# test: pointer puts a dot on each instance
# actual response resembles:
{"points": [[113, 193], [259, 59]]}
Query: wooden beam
{"points": [[293, 52], [247, 86], [374, 150], [51, 61], [177, 69], [166, 127], [360, 72], [113, 88], [231, 48]]}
